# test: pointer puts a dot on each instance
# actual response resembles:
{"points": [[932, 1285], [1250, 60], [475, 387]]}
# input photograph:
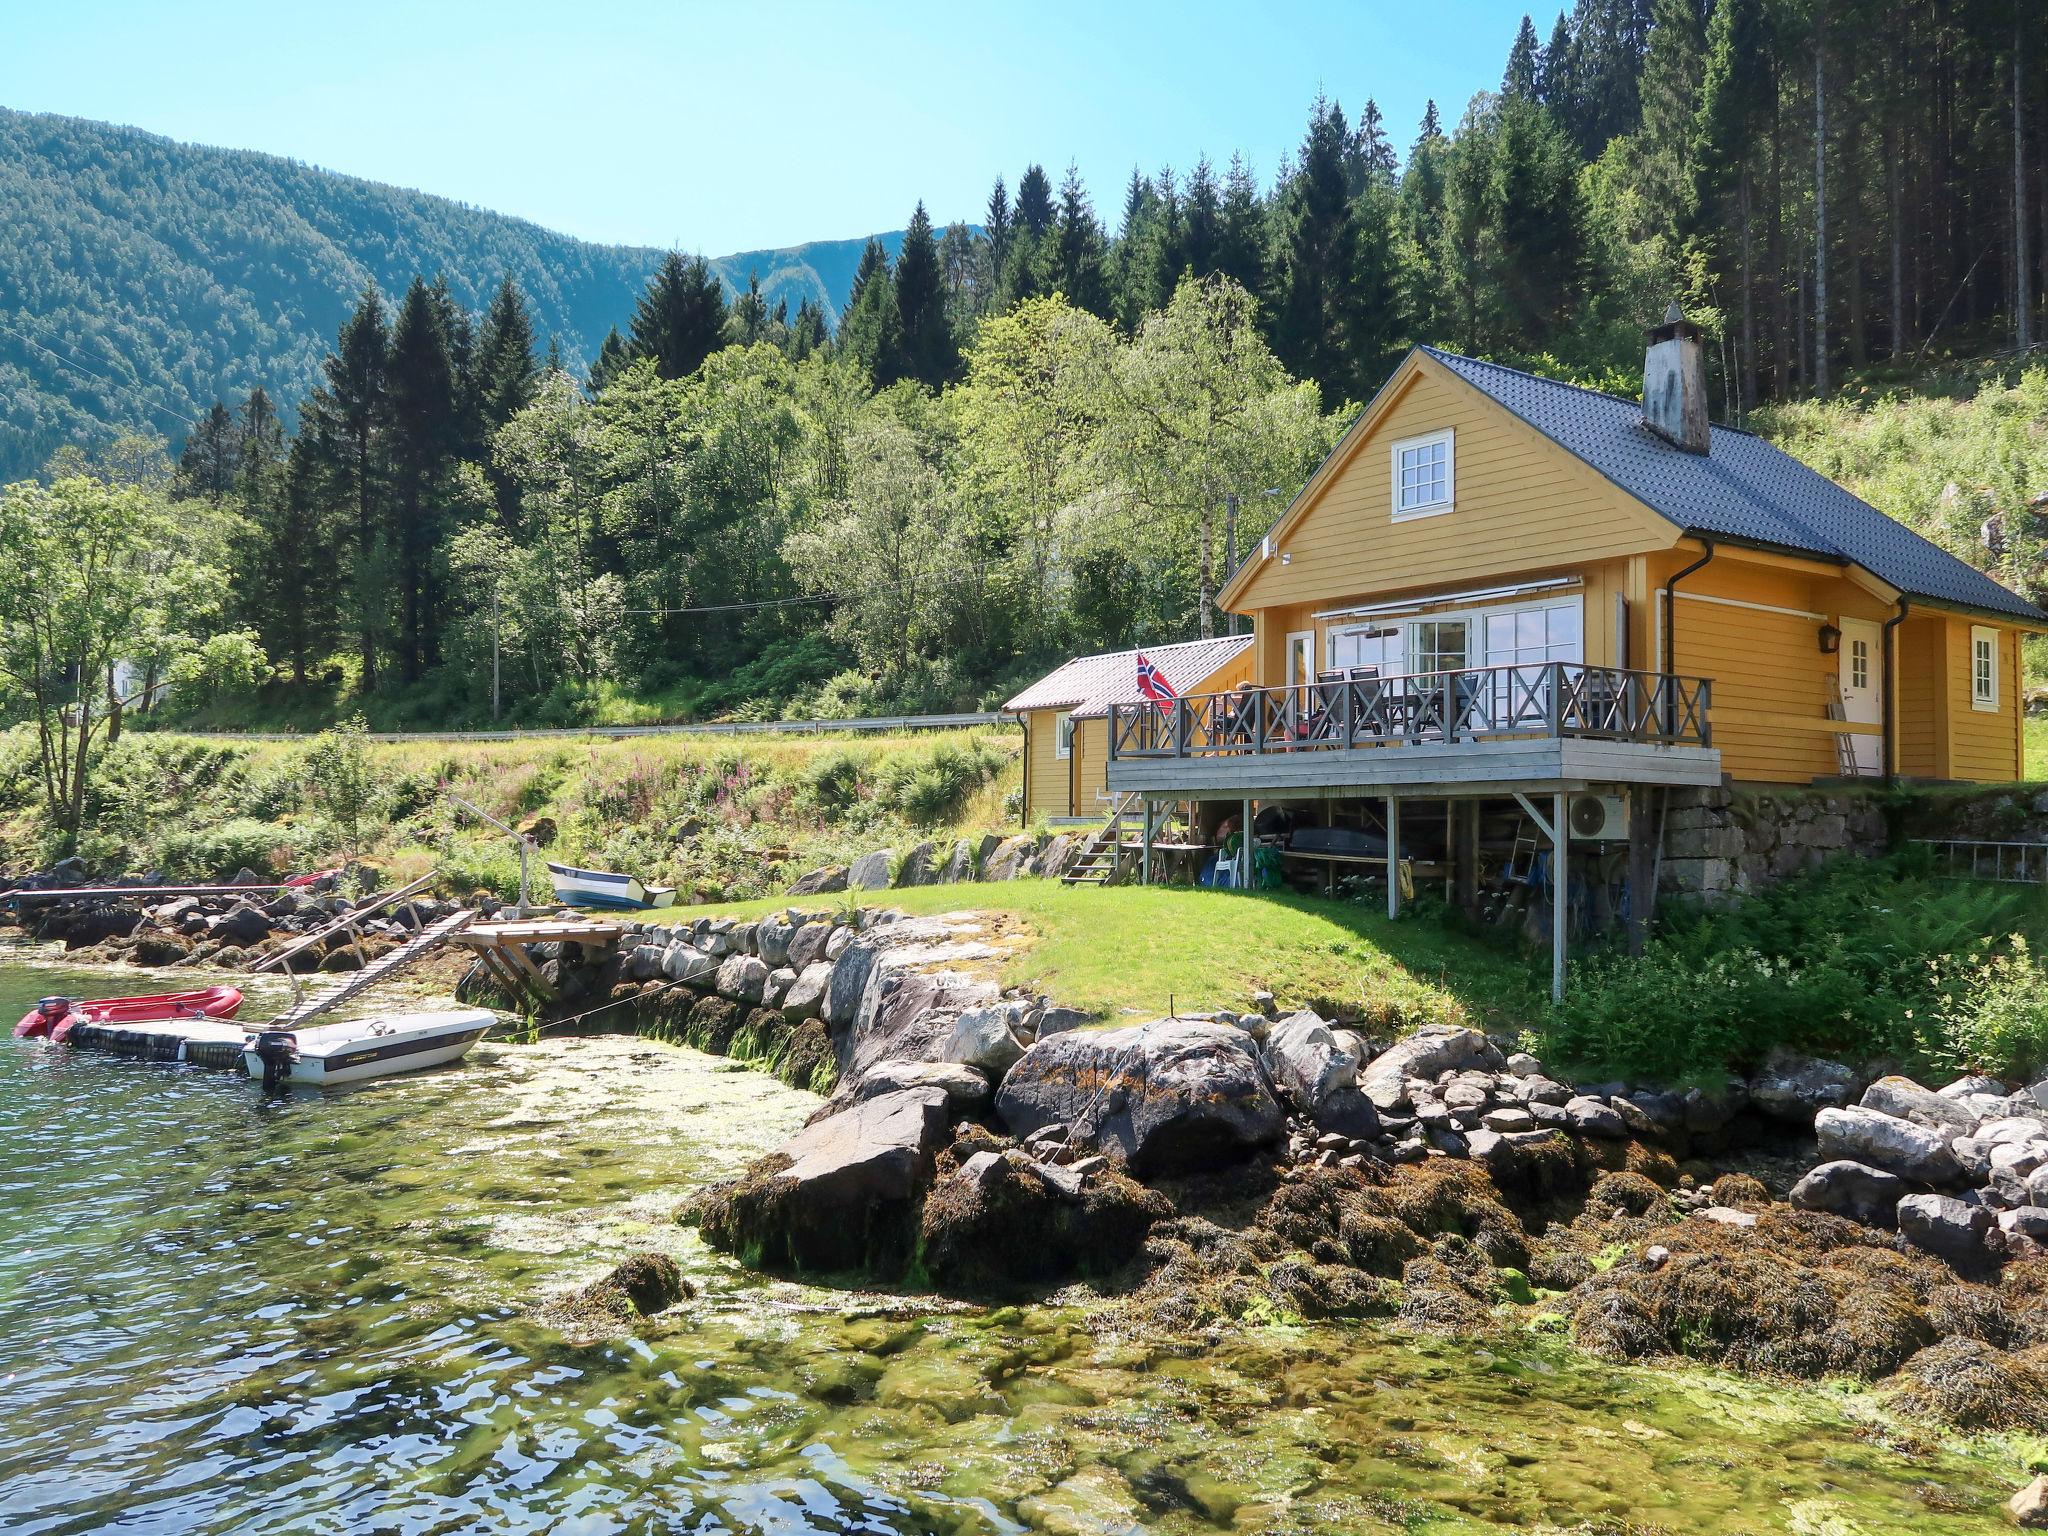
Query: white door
{"points": [[1301, 671], [1862, 663]]}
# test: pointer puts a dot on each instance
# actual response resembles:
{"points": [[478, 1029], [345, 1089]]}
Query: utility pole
{"points": [[1230, 548], [494, 655]]}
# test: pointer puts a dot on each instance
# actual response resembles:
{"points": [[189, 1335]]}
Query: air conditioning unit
{"points": [[1598, 818]]}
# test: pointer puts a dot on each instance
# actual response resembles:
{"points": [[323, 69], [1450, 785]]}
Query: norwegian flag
{"points": [[1153, 684]]}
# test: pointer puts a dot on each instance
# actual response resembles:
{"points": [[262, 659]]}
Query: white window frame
{"points": [[1981, 700], [1063, 736], [1447, 438]]}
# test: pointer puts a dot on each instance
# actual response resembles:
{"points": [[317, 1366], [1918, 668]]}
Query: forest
{"points": [[1026, 436]]}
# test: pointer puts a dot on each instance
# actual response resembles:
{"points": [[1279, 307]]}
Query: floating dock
{"points": [[213, 1043]]}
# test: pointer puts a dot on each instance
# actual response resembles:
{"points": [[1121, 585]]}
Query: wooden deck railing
{"points": [[1543, 699]]}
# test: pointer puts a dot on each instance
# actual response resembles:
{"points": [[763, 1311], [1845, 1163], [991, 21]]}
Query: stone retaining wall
{"points": [[1721, 843]]}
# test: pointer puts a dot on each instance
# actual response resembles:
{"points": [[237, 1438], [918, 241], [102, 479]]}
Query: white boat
{"points": [[601, 888], [357, 1050]]}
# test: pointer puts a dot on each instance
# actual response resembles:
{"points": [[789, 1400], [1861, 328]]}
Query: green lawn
{"points": [[1136, 950], [2034, 748]]}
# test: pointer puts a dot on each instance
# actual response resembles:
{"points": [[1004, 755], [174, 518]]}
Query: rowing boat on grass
{"points": [[602, 888]]}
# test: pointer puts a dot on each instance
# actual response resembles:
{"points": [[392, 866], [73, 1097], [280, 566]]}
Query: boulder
{"points": [[684, 962], [1055, 1020], [870, 872], [821, 882], [2029, 1507], [838, 940], [1155, 1097], [1429, 1052], [1007, 860], [959, 866], [1945, 1227], [920, 866], [1306, 1063], [643, 964], [1969, 1087], [1589, 1117], [985, 1038], [1855, 1190], [1003, 1219], [1911, 1151], [743, 977], [805, 998], [842, 1194], [1794, 1088], [780, 980], [1907, 1100], [966, 1090], [807, 943], [771, 941], [1522, 1064], [243, 925]]}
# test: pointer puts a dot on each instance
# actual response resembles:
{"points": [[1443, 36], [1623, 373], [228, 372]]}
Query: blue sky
{"points": [[743, 126]]}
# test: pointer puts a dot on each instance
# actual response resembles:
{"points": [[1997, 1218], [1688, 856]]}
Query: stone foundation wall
{"points": [[1722, 843]]}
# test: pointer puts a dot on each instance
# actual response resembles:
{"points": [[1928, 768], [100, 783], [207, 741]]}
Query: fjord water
{"points": [[221, 1313]]}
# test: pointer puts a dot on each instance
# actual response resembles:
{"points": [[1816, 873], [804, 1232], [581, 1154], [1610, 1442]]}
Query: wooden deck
{"points": [[502, 948]]}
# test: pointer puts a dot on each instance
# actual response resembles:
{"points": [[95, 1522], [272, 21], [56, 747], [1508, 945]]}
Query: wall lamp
{"points": [[1830, 639]]}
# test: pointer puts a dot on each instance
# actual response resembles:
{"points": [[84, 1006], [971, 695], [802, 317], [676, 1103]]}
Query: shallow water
{"points": [[220, 1313]]}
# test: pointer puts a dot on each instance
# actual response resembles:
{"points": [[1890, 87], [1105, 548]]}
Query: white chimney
{"points": [[1675, 383]]}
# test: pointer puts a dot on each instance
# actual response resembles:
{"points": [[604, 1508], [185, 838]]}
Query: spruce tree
{"points": [[748, 322], [1525, 65], [1316, 313], [1674, 72], [206, 468], [344, 420], [423, 435], [807, 331], [507, 374], [1035, 210], [1074, 260], [995, 224], [1241, 231], [924, 339], [613, 354], [680, 319], [1730, 152], [1421, 212], [1202, 220], [869, 332]]}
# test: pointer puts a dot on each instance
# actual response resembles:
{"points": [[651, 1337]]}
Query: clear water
{"points": [[220, 1313]]}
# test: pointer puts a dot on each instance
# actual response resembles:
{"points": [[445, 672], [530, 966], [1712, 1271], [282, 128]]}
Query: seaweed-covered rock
{"points": [[842, 1194], [1159, 1097], [1000, 1219], [641, 1285], [1945, 1227], [1970, 1385]]}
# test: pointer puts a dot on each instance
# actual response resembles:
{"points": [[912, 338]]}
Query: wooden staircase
{"points": [[1102, 854], [310, 1005]]}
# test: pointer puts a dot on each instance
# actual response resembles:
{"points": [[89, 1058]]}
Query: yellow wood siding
{"points": [[1983, 745], [1515, 493], [1922, 696], [1091, 767], [1045, 773]]}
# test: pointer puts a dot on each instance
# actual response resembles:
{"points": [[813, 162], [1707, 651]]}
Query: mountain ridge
{"points": [[142, 277]]}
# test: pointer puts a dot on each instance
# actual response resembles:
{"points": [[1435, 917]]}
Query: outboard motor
{"points": [[277, 1050], [44, 1018]]}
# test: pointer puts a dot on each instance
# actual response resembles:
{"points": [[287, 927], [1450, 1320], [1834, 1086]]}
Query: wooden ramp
{"points": [[501, 949], [310, 1005], [347, 922]]}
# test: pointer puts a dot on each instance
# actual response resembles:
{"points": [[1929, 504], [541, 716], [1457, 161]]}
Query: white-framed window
{"points": [[1984, 668], [1442, 645], [1424, 475], [1382, 648], [1859, 662], [1063, 738]]}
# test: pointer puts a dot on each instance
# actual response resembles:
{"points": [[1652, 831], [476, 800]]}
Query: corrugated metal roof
{"points": [[1742, 488], [1088, 685]]}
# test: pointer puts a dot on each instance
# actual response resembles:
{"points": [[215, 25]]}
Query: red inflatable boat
{"points": [[56, 1017]]}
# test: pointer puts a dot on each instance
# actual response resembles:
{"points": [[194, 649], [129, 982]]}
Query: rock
{"points": [[1727, 1216], [2029, 1507], [2027, 1220], [743, 977], [682, 962], [1431, 1050], [821, 882], [966, 1090], [771, 941], [842, 1194], [807, 942], [1522, 1064], [643, 1284], [1057, 1021], [1306, 1063], [1156, 1097], [1508, 1119], [1003, 1219], [1852, 1189], [243, 925], [1968, 1087], [1007, 860], [1589, 1117], [919, 866], [780, 980], [1794, 1088], [1540, 1090], [1945, 1227], [985, 1038], [870, 872], [838, 942], [643, 963], [805, 998], [959, 866], [1907, 1100], [1884, 1141]]}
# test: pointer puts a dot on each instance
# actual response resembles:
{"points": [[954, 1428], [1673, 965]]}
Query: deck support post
{"points": [[1560, 899], [1393, 856], [1145, 857], [1642, 868], [1466, 859], [1244, 848]]}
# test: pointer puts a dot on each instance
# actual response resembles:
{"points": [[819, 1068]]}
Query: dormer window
{"points": [[1423, 475]]}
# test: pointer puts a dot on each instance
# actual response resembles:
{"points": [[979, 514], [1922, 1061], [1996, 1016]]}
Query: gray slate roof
{"points": [[1742, 488], [1088, 685]]}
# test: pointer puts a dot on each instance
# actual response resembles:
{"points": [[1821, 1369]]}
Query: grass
{"points": [[2034, 748], [1147, 950]]}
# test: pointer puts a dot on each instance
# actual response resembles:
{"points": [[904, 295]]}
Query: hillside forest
{"points": [[1026, 437]]}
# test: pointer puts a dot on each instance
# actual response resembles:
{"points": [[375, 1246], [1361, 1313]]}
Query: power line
{"points": [[130, 387]]}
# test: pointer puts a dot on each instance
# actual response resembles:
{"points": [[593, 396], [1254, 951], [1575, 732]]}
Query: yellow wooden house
{"points": [[1065, 716], [1498, 587]]}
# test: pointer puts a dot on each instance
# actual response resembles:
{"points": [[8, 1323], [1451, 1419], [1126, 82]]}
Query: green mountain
{"points": [[141, 278]]}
